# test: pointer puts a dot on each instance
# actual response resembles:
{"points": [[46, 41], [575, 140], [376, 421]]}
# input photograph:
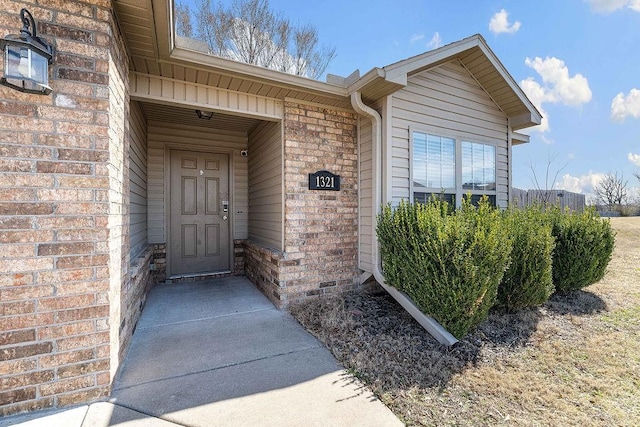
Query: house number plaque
{"points": [[324, 180]]}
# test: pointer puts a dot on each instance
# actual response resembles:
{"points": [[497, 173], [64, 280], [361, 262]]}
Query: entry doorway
{"points": [[199, 214]]}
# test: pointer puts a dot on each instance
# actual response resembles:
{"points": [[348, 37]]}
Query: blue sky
{"points": [[578, 60]]}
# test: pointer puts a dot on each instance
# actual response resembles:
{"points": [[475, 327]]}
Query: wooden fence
{"points": [[564, 199]]}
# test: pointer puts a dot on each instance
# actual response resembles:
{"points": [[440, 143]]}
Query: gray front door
{"points": [[199, 213]]}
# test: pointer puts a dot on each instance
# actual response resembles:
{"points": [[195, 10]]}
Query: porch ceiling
{"points": [[183, 116]]}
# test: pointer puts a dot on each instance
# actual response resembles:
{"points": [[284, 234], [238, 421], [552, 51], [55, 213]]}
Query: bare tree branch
{"points": [[249, 31], [548, 184], [612, 191], [183, 20], [211, 26]]}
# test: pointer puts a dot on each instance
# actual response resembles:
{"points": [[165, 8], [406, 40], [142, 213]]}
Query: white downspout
{"points": [[431, 325]]}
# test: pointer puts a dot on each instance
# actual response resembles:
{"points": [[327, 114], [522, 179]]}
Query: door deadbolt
{"points": [[225, 206]]}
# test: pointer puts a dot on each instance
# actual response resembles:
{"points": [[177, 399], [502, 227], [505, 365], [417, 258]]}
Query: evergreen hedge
{"points": [[584, 245], [450, 264], [528, 280]]}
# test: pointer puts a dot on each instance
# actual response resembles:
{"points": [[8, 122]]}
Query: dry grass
{"points": [[574, 361]]}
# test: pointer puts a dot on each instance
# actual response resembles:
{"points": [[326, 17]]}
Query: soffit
{"points": [[168, 114], [136, 21], [488, 76], [245, 83]]}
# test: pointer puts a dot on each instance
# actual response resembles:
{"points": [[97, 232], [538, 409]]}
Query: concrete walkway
{"points": [[218, 353]]}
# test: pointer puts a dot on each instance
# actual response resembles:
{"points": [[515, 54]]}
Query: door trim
{"points": [[230, 153]]}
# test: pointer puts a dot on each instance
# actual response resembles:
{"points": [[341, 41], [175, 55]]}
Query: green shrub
{"points": [[528, 280], [449, 264], [584, 244]]}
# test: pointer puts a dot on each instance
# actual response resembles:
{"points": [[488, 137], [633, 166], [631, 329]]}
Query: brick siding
{"points": [[69, 297], [159, 261], [238, 257], [262, 268], [64, 270], [321, 227]]}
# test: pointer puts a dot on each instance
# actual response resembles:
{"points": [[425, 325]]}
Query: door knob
{"points": [[224, 217]]}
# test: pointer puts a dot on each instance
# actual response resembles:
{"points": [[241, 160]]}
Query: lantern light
{"points": [[205, 115], [26, 58]]}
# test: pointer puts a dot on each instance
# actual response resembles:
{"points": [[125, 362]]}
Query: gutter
{"points": [[431, 325]]}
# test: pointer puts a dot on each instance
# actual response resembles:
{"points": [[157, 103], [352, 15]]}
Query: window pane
{"points": [[434, 161], [448, 163], [426, 197], [419, 159], [478, 166], [490, 167], [467, 168]]}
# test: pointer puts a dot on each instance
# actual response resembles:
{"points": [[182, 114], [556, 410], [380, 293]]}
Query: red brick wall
{"points": [[63, 203]]}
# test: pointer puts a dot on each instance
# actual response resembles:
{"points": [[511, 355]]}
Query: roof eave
{"points": [[535, 116], [371, 77], [519, 138], [198, 59], [375, 85], [430, 59], [399, 71], [173, 49], [527, 120], [391, 78]]}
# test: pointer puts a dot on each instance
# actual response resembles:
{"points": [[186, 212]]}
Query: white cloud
{"points": [[499, 23], [416, 38], [634, 158], [609, 6], [436, 41], [558, 86], [573, 91], [546, 140], [536, 94], [583, 184], [623, 107]]}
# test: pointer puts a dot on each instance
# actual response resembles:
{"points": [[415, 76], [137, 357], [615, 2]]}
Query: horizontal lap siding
{"points": [[449, 102], [138, 181], [265, 183], [366, 193], [155, 191], [196, 139]]}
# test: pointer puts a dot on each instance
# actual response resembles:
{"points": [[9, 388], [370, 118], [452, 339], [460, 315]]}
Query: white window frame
{"points": [[457, 190]]}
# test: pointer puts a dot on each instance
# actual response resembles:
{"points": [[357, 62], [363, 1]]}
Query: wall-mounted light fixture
{"points": [[26, 58], [205, 115]]}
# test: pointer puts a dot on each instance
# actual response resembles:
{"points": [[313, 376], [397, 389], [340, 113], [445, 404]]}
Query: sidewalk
{"points": [[218, 353]]}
